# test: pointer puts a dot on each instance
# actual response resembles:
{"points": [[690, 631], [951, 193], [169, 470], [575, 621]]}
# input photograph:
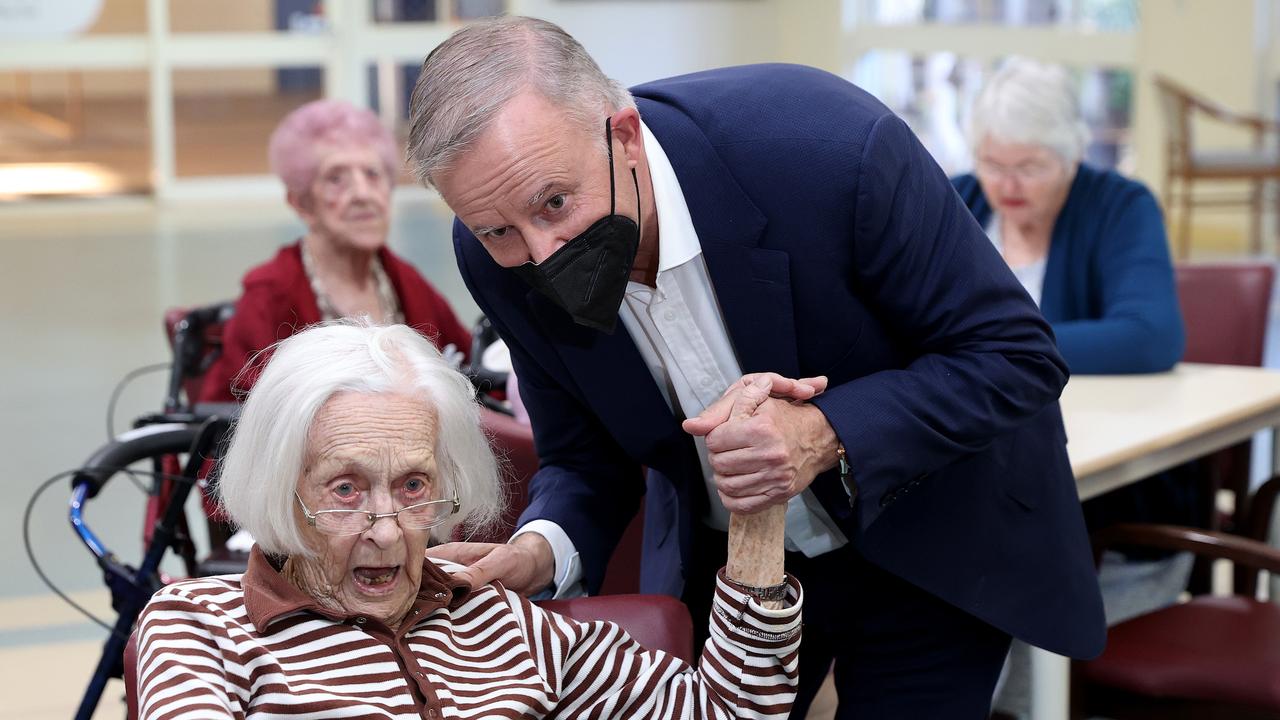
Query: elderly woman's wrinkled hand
{"points": [[779, 387]]}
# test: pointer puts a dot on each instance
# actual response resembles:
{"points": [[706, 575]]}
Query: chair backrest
{"points": [[1176, 105], [1224, 307], [195, 337], [657, 622], [512, 442]]}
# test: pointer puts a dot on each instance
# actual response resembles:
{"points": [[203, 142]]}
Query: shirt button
{"points": [[669, 316]]}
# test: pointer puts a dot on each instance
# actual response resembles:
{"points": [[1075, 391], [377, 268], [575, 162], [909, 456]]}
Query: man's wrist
{"points": [[824, 444]]}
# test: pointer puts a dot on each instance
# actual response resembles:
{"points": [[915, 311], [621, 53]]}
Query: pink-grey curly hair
{"points": [[291, 150]]}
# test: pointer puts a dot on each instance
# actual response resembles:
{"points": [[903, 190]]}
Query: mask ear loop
{"points": [[608, 144]]}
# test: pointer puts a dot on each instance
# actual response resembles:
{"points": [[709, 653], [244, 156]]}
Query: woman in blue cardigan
{"points": [[1089, 247]]}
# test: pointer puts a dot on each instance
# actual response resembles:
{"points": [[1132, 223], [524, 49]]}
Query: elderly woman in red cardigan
{"points": [[338, 165]]}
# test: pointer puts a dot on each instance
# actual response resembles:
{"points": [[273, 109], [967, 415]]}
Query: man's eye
{"points": [[497, 232], [555, 202]]}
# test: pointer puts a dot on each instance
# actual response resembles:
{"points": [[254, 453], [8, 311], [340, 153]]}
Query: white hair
{"points": [[469, 77], [1030, 103], [264, 461]]}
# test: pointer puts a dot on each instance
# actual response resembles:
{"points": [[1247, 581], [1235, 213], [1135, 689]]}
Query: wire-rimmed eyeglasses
{"points": [[419, 516], [1026, 171]]}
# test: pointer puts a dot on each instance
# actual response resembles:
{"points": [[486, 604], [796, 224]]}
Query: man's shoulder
{"points": [[795, 98], [742, 78]]}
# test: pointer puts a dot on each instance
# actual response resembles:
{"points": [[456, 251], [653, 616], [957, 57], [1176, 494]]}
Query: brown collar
{"points": [[269, 596]]}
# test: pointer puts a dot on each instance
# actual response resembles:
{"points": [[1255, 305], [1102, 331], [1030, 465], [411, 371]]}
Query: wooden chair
{"points": [[1210, 658], [1185, 164]]}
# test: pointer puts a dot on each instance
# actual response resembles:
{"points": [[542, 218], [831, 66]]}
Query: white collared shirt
{"points": [[680, 332]]}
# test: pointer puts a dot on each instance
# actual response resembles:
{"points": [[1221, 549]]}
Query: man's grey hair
{"points": [[468, 79], [266, 457], [1031, 103]]}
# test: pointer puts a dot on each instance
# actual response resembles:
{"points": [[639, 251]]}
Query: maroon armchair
{"points": [[512, 441], [657, 622], [1224, 308], [1209, 658]]}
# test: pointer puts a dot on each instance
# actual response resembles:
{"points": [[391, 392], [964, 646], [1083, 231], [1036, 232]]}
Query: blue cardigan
{"points": [[1108, 284]]}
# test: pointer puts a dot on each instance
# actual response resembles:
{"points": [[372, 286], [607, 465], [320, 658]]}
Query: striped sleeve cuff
{"points": [[741, 620]]}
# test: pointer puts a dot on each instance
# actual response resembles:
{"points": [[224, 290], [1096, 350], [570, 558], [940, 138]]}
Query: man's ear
{"points": [[303, 204], [626, 130]]}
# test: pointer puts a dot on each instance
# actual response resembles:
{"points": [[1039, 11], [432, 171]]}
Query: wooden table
{"points": [[1122, 428]]}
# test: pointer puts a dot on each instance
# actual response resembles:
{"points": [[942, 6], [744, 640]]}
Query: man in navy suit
{"points": [[642, 251]]}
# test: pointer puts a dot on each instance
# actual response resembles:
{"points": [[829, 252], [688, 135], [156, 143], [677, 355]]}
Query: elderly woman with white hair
{"points": [[338, 165], [1089, 246], [357, 444]]}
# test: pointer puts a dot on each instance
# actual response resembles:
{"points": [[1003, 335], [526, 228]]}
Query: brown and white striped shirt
{"points": [[255, 646]]}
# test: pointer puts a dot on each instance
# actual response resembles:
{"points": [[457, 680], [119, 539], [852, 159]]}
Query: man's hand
{"points": [[763, 450], [525, 565]]}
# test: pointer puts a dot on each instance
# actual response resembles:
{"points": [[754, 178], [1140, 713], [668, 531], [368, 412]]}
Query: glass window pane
{"points": [[933, 94], [407, 11], [224, 117], [203, 16], [115, 17], [390, 85], [1108, 15], [68, 18], [74, 133]]}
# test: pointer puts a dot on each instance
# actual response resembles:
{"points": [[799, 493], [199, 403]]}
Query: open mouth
{"points": [[375, 580]]}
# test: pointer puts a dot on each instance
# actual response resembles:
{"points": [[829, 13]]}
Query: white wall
{"points": [[638, 41]]}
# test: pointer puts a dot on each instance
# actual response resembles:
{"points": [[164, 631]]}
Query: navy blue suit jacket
{"points": [[836, 247], [1108, 283]]}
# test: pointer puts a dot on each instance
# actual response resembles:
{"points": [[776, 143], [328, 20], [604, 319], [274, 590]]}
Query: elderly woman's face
{"points": [[373, 452], [350, 198], [1023, 182]]}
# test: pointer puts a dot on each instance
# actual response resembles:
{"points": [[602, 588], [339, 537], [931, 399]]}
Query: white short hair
{"points": [[467, 80], [1030, 103], [264, 462]]}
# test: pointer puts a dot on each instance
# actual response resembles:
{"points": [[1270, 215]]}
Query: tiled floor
{"points": [[83, 287]]}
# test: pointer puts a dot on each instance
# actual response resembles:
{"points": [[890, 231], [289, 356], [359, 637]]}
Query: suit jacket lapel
{"points": [[609, 368], [752, 284]]}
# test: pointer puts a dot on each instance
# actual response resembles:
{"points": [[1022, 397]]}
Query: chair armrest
{"points": [[1231, 117], [1205, 543], [1261, 506]]}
